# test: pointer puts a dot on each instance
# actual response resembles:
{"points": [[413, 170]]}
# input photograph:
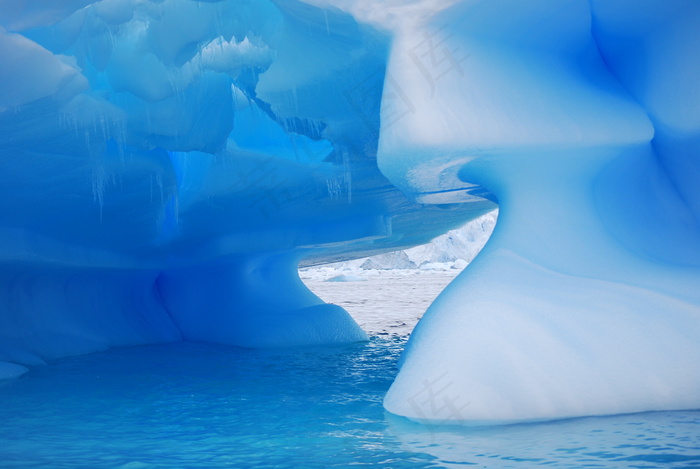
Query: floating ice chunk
{"points": [[392, 260], [347, 278]]}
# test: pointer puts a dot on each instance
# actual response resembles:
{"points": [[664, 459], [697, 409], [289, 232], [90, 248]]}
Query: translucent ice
{"points": [[582, 121], [166, 165]]}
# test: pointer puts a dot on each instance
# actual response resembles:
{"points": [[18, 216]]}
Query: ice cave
{"points": [[166, 166]]}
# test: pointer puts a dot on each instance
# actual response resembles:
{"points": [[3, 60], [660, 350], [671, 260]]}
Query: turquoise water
{"points": [[199, 405]]}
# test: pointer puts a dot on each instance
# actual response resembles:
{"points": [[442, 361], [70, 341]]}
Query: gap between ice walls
{"points": [[167, 165]]}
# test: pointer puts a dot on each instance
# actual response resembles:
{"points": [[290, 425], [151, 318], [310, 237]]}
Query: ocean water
{"points": [[191, 405]]}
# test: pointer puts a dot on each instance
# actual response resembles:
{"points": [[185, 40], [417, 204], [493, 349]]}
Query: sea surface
{"points": [[192, 405]]}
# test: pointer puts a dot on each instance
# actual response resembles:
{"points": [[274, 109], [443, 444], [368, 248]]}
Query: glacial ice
{"points": [[166, 166], [583, 122], [453, 250]]}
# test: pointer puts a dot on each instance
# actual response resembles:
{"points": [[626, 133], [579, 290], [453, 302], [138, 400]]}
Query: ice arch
{"points": [[166, 164], [582, 120]]}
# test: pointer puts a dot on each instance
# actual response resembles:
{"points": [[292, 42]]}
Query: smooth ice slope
{"points": [[166, 165], [583, 122]]}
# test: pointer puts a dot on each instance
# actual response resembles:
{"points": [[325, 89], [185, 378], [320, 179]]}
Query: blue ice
{"points": [[166, 166]]}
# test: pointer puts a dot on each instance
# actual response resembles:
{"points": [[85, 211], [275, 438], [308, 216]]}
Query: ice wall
{"points": [[583, 121], [165, 166]]}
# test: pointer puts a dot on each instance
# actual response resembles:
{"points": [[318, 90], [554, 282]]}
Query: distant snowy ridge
{"points": [[453, 250], [461, 244]]}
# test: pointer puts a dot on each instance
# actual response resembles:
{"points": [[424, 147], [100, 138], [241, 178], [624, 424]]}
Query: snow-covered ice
{"points": [[385, 302], [387, 294], [453, 250]]}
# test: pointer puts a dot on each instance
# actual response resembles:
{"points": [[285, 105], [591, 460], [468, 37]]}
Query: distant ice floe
{"points": [[347, 278], [453, 250]]}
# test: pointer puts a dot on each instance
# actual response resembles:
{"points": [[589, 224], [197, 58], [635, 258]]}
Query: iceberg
{"points": [[453, 250], [582, 121], [166, 166]]}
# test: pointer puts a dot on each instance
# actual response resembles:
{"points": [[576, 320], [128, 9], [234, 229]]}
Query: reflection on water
{"points": [[200, 405]]}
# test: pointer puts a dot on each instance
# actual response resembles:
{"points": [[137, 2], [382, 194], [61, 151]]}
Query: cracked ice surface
{"points": [[165, 166]]}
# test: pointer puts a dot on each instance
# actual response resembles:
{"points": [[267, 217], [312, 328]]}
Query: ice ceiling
{"points": [[165, 165]]}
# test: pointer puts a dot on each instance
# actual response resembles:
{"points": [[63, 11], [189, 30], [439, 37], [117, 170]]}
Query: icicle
{"points": [[159, 182], [98, 187]]}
